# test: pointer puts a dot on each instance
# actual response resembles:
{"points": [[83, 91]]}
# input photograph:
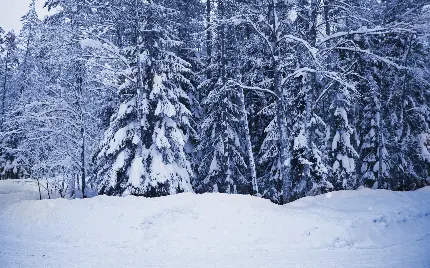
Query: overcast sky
{"points": [[11, 12]]}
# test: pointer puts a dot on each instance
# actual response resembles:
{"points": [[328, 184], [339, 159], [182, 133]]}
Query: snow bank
{"points": [[13, 191], [363, 228]]}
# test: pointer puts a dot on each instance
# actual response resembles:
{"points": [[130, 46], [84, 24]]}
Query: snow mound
{"points": [[13, 191], [364, 228]]}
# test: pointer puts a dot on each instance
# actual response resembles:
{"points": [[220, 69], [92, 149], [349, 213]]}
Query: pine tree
{"points": [[143, 152], [270, 98], [9, 164], [222, 147]]}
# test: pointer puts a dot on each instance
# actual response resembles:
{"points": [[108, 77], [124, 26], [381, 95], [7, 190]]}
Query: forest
{"points": [[279, 99]]}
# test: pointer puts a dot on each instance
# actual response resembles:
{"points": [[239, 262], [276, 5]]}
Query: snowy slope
{"points": [[14, 191], [363, 228]]}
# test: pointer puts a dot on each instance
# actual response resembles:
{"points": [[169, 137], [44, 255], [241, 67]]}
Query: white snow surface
{"points": [[363, 228]]}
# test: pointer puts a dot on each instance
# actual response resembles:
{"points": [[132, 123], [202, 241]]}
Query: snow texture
{"points": [[364, 228]]}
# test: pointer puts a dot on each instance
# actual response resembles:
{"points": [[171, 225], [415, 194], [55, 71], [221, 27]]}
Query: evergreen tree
{"points": [[143, 152], [222, 147], [270, 98], [9, 164]]}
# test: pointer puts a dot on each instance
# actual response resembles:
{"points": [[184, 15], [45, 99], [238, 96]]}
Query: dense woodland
{"points": [[275, 98]]}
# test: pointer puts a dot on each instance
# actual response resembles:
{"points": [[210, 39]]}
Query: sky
{"points": [[11, 12]]}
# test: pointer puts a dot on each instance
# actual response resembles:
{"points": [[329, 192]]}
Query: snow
{"points": [[424, 143], [300, 140], [165, 107], [336, 140], [214, 165], [176, 175], [363, 228], [136, 172], [376, 167], [91, 43], [348, 164], [126, 108], [120, 161], [119, 138], [157, 85]]}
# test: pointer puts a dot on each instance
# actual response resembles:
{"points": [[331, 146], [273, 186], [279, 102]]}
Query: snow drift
{"points": [[364, 228]]}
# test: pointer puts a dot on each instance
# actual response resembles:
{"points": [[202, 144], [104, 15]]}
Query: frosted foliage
{"points": [[277, 99], [335, 141], [348, 164], [300, 140], [178, 177], [136, 172], [214, 165], [424, 143], [161, 141]]}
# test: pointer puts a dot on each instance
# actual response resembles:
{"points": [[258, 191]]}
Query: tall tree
{"points": [[223, 146], [143, 152]]}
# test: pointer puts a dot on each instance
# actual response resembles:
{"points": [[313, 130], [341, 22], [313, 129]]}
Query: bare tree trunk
{"points": [[280, 113], [82, 123], [380, 150], [249, 144], [309, 83], [327, 17], [208, 34], [83, 162], [139, 86], [27, 52], [3, 109], [282, 142], [404, 90], [40, 192], [224, 114], [47, 189]]}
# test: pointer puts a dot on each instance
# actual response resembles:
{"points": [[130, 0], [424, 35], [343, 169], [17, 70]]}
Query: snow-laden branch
{"points": [[255, 88], [373, 31]]}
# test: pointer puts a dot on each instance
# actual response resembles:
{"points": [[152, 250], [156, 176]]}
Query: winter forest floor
{"points": [[348, 229]]}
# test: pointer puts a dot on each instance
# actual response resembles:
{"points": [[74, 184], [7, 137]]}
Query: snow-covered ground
{"points": [[363, 228]]}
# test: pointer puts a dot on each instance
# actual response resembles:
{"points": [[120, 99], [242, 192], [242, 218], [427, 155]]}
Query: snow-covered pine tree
{"points": [[308, 166], [190, 26], [15, 132], [384, 153], [342, 153], [410, 112], [223, 167], [9, 163], [265, 25], [272, 70], [143, 152], [374, 168], [284, 57]]}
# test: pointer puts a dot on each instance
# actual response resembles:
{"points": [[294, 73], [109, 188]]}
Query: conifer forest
{"points": [[279, 99]]}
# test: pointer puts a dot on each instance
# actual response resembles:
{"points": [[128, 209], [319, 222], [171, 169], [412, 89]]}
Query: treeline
{"points": [[280, 99]]}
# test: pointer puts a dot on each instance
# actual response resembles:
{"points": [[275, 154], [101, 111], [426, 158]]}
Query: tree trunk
{"points": [[139, 77], [208, 35], [83, 162], [280, 114], [327, 17], [309, 83], [380, 151], [3, 107], [249, 144], [22, 89], [282, 142], [40, 192], [47, 189], [403, 123]]}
